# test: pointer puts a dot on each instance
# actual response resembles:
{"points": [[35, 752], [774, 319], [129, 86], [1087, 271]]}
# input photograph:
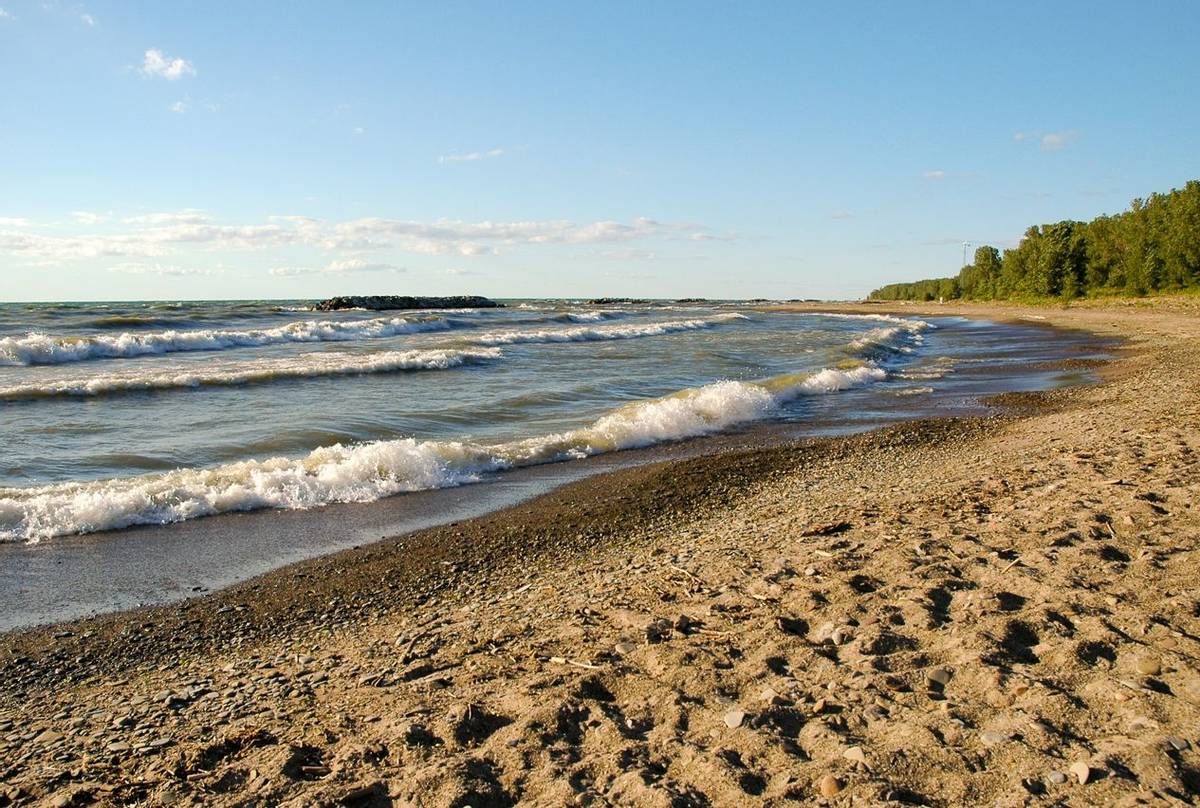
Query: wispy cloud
{"points": [[934, 174], [841, 214], [88, 20], [87, 217], [1048, 141], [179, 107], [156, 63], [344, 267], [160, 269], [4, 15], [164, 233], [1056, 141], [471, 157], [188, 216]]}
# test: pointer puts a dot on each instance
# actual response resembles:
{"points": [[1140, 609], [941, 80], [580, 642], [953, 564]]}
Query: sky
{"points": [[301, 149]]}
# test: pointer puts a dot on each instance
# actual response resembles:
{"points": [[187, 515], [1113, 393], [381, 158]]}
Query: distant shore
{"points": [[956, 611]]}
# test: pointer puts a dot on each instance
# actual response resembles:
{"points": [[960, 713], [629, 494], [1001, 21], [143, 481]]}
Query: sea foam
{"points": [[605, 332], [47, 349], [370, 471], [257, 371]]}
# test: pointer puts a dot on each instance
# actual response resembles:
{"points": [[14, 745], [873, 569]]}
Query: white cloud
{"points": [[179, 107], [160, 269], [1057, 141], [1048, 141], [87, 217], [88, 20], [165, 233], [632, 254], [934, 174], [360, 130], [4, 15], [841, 214], [155, 63], [470, 157], [343, 267], [188, 216]]}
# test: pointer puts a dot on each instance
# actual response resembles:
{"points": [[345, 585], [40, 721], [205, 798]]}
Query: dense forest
{"points": [[1152, 247]]}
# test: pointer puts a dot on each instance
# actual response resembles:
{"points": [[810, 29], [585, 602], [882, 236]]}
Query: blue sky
{"points": [[209, 150]]}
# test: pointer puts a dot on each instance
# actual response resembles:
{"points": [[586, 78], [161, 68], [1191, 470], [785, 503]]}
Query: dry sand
{"points": [[991, 611]]}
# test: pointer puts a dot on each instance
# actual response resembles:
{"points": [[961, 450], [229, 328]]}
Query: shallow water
{"points": [[569, 382], [122, 414]]}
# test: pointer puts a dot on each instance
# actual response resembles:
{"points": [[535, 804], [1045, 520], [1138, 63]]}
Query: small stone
{"points": [[991, 738], [939, 676], [770, 696], [734, 718], [819, 706], [1177, 743], [1149, 666], [855, 754], [829, 785], [1082, 772], [625, 648], [1056, 778]]}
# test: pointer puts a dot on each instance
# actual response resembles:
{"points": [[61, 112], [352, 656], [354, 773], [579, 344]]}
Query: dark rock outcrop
{"points": [[386, 302]]}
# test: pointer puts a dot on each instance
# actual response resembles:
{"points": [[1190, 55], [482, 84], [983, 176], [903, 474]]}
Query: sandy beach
{"points": [[995, 610]]}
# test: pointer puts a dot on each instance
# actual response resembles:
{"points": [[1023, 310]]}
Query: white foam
{"points": [[601, 333], [253, 372], [46, 349], [371, 471]]}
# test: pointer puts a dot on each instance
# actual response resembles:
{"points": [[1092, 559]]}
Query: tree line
{"points": [[1152, 247]]}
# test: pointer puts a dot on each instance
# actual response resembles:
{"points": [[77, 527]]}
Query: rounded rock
{"points": [[829, 785]]}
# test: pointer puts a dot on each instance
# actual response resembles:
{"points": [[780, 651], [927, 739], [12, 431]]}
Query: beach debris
{"points": [[1056, 778], [734, 718]]}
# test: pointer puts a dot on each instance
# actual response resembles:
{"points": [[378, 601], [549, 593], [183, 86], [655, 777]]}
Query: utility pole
{"points": [[965, 245]]}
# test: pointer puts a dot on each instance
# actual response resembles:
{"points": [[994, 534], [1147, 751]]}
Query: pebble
{"points": [[1056, 778], [734, 718], [855, 754], [939, 676], [770, 696], [1149, 666], [829, 785], [1177, 743], [625, 648], [991, 737], [1082, 772]]}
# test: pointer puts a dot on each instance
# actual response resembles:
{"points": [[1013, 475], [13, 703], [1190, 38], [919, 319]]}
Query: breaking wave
{"points": [[601, 333], [370, 471], [254, 372], [46, 349]]}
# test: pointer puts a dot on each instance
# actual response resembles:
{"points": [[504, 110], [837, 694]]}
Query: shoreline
{"points": [[541, 599], [77, 577]]}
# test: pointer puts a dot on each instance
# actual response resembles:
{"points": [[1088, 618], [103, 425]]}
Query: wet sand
{"points": [[995, 609]]}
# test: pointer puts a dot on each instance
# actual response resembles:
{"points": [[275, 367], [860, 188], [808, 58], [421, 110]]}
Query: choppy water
{"points": [[121, 414]]}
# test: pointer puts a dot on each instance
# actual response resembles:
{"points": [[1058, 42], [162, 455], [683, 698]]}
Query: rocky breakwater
{"points": [[387, 302]]}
